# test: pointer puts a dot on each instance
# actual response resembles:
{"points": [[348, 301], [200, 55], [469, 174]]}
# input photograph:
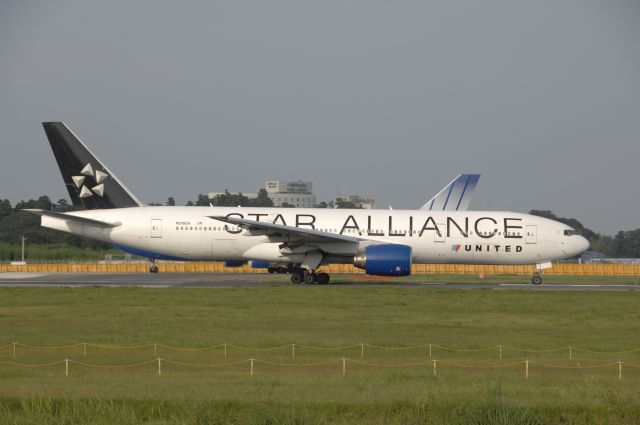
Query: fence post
{"points": [[159, 367], [570, 353], [251, 359], [362, 350], [14, 350], [293, 351], [344, 366], [526, 369], [429, 350], [225, 350], [435, 362], [66, 367], [620, 370], [500, 351]]}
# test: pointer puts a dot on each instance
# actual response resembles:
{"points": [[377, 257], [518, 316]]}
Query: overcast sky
{"points": [[388, 98]]}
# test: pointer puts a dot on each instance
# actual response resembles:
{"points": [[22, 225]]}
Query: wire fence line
{"points": [[228, 346], [361, 354], [343, 361]]}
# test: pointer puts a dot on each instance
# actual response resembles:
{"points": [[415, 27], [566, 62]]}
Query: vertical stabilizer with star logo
{"points": [[90, 184]]}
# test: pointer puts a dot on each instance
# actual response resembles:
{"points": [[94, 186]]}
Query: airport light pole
{"points": [[23, 239]]}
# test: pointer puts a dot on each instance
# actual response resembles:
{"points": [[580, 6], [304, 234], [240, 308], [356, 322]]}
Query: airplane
{"points": [[381, 242]]}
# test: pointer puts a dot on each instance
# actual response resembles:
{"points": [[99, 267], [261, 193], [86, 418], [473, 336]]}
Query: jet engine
{"points": [[385, 260]]}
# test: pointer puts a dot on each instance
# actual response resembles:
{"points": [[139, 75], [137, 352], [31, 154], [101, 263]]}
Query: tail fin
{"points": [[456, 196], [90, 184]]}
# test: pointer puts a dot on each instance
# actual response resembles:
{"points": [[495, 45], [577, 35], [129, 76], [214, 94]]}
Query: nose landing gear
{"points": [[537, 274]]}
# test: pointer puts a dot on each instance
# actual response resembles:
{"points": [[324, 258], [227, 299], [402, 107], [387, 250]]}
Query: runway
{"points": [[234, 280]]}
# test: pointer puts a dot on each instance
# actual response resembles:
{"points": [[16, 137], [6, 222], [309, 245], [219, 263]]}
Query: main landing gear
{"points": [[153, 268], [299, 275], [536, 279]]}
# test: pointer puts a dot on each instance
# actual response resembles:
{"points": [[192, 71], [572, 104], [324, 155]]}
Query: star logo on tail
{"points": [[90, 178]]}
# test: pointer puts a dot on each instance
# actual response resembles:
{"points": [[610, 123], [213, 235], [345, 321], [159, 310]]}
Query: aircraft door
{"points": [[531, 234], [156, 227]]}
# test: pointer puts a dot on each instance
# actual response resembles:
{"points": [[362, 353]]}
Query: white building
{"points": [[296, 193]]}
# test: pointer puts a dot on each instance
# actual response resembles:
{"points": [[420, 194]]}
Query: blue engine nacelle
{"points": [[385, 260], [255, 264]]}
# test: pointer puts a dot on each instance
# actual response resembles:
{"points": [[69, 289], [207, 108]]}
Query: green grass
{"points": [[324, 316], [506, 278]]}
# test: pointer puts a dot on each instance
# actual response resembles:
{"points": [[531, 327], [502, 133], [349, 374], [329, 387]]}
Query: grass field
{"points": [[493, 391], [474, 278]]}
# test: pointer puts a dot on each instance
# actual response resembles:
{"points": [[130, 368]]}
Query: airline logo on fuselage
{"points": [[486, 248], [484, 227]]}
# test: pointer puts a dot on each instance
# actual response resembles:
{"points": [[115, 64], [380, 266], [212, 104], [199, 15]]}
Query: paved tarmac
{"points": [[232, 280]]}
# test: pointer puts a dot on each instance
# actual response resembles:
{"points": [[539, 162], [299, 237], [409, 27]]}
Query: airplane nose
{"points": [[582, 244]]}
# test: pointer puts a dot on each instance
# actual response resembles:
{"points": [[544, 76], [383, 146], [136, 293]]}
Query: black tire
{"points": [[323, 278], [271, 270], [296, 278], [309, 278], [536, 280]]}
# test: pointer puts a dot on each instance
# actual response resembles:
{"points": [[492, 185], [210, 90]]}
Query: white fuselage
{"points": [[473, 237]]}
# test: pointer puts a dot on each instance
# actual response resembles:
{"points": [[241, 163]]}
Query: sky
{"points": [[385, 98]]}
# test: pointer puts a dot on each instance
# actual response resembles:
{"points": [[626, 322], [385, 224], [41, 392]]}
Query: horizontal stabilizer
{"points": [[73, 218], [456, 196]]}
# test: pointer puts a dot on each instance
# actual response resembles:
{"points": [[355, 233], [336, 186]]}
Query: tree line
{"points": [[228, 199], [15, 224]]}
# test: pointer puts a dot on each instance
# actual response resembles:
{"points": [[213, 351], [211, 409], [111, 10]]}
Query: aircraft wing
{"points": [[455, 196], [73, 218], [308, 236]]}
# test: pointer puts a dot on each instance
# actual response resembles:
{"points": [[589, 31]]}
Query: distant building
{"points": [[359, 201], [296, 193]]}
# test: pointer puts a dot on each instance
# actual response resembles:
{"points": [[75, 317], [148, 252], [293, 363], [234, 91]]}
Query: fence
{"points": [[159, 356], [217, 267]]}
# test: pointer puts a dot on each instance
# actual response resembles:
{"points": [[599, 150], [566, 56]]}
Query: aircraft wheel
{"points": [[153, 269], [296, 277], [309, 277], [323, 278], [271, 270], [536, 280]]}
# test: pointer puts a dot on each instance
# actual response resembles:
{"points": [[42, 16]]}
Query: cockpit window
{"points": [[570, 232]]}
